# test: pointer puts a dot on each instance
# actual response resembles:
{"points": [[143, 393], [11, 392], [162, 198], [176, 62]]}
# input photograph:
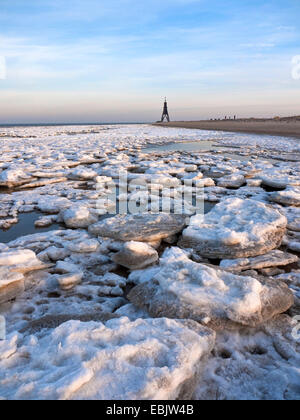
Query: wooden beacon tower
{"points": [[165, 114]]}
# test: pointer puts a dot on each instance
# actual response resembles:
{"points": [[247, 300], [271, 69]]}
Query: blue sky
{"points": [[115, 60]]}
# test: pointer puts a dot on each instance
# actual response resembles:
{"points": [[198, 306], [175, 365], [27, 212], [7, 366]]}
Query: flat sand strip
{"points": [[286, 127]]}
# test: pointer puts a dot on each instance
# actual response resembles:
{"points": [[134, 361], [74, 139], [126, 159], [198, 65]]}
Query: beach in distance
{"points": [[288, 126]]}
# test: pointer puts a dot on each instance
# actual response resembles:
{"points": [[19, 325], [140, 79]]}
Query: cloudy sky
{"points": [[115, 60]]}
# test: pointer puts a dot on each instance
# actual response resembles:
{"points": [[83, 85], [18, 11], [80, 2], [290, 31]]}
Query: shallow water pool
{"points": [[187, 146], [203, 146], [24, 227]]}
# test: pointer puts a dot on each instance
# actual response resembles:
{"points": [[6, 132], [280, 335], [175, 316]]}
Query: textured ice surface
{"points": [[235, 228], [272, 259], [139, 227], [257, 142], [182, 288], [261, 364], [289, 197], [136, 255], [46, 170], [145, 359]]}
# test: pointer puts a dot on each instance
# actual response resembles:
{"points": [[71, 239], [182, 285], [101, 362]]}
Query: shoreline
{"points": [[286, 127]]}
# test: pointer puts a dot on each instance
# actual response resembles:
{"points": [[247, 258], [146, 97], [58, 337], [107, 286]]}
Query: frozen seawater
{"points": [[52, 169]]}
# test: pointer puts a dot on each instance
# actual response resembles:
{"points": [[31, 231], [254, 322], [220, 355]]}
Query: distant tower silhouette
{"points": [[165, 114]]}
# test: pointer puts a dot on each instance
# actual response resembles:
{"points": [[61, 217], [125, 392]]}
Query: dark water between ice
{"points": [[25, 227]]}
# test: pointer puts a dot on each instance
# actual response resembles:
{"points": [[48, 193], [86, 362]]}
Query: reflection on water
{"points": [[203, 146], [25, 227], [188, 146], [208, 206]]}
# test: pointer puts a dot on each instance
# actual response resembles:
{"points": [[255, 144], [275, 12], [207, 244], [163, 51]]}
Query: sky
{"points": [[115, 60]]}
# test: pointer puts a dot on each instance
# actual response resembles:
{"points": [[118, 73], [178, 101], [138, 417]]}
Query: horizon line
{"points": [[71, 123]]}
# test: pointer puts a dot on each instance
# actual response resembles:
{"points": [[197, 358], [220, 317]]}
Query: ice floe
{"points": [[63, 292], [235, 228], [136, 255], [139, 227], [184, 289], [146, 359]]}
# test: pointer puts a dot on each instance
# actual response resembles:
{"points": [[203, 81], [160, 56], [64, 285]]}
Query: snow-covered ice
{"points": [[272, 259], [147, 359], [63, 292], [290, 196], [213, 297], [136, 255], [235, 228], [139, 227]]}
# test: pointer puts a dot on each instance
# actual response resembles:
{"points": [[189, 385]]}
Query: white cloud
{"points": [[258, 45], [2, 68], [296, 67]]}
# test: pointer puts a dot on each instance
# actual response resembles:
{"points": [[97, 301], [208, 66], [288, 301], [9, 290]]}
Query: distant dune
{"points": [[287, 126]]}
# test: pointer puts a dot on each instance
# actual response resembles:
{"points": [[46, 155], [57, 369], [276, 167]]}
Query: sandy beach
{"points": [[289, 127]]}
